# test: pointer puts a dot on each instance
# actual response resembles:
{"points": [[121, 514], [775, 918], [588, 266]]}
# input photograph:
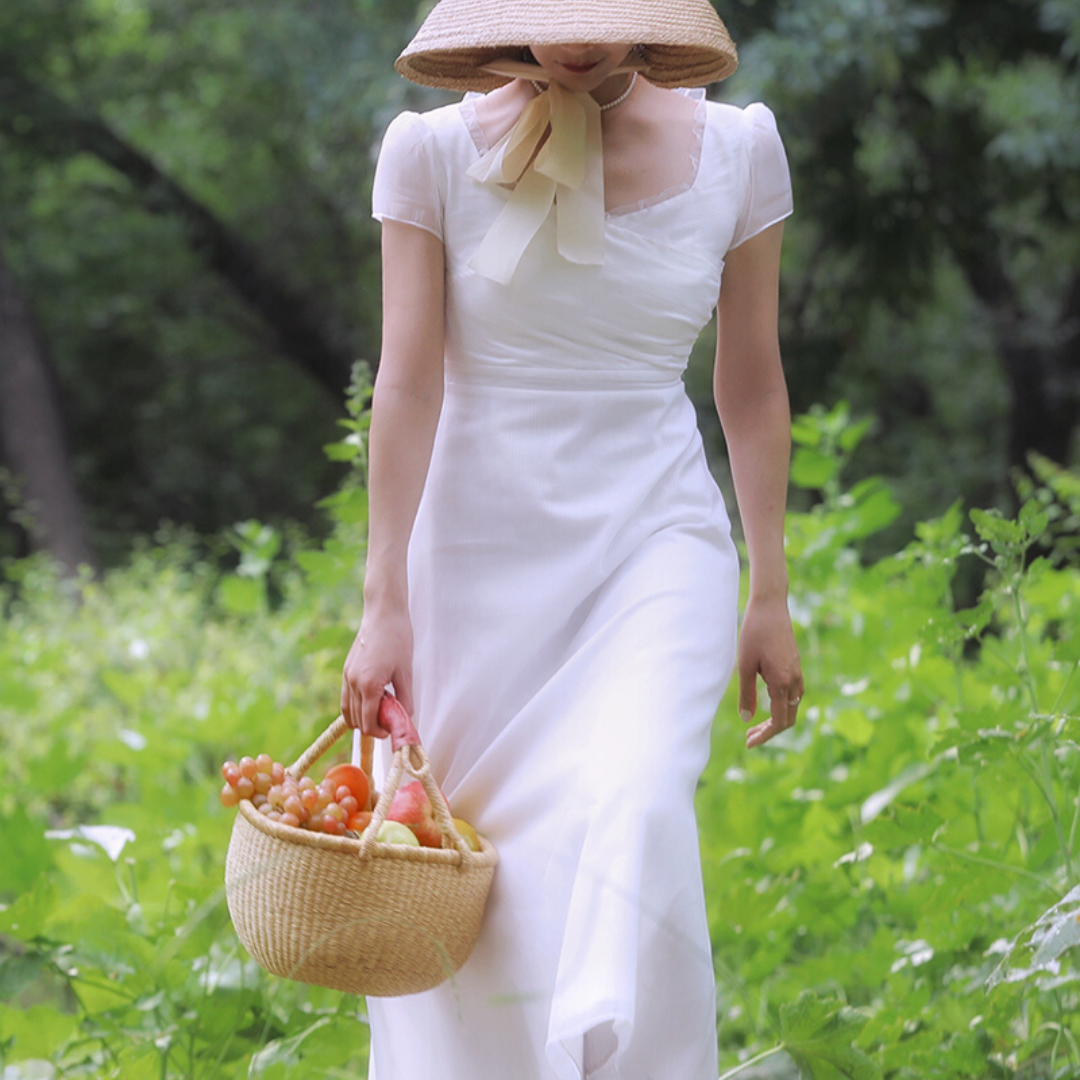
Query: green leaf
{"points": [[29, 916], [1056, 930], [283, 1051], [853, 434], [983, 745], [812, 469], [17, 695], [1034, 518], [126, 687], [241, 595], [23, 852], [17, 972], [903, 826], [349, 505], [879, 800], [873, 508], [53, 771], [37, 1032], [818, 1034], [341, 451], [1004, 536]]}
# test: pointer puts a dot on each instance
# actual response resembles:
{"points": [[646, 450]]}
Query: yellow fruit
{"points": [[468, 834]]}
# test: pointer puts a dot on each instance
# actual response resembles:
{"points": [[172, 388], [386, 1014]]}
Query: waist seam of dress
{"points": [[517, 377]]}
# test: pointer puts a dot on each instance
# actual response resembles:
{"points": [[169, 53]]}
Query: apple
{"points": [[393, 832], [412, 807]]}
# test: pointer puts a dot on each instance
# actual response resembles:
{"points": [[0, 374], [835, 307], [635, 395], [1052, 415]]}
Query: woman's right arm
{"points": [[404, 415]]}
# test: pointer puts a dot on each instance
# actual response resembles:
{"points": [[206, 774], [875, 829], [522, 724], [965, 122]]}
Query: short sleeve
{"points": [[406, 186], [768, 188]]}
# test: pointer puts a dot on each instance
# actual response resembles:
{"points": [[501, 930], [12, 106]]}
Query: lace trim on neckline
{"points": [[467, 109]]}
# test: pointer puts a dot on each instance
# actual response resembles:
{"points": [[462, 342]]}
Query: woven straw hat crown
{"points": [[684, 41]]}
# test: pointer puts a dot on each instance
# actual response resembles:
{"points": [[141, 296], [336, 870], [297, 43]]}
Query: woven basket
{"points": [[356, 915]]}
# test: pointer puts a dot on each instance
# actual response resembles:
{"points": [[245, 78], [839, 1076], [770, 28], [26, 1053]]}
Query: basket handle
{"points": [[395, 719], [392, 716], [410, 757], [323, 743]]}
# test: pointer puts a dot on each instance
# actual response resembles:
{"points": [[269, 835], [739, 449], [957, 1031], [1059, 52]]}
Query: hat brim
{"points": [[462, 69], [684, 42]]}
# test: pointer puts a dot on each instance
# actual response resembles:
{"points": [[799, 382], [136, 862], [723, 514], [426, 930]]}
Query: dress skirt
{"points": [[573, 591]]}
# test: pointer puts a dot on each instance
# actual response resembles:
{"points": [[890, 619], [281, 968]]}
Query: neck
{"points": [[611, 88], [608, 91], [605, 102]]}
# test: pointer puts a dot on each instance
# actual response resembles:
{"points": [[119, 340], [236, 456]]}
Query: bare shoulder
{"points": [[666, 106]]}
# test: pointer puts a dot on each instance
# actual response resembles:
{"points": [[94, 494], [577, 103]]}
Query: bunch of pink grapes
{"points": [[301, 803]]}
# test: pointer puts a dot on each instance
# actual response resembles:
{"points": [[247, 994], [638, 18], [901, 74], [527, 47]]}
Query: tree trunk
{"points": [[1042, 375], [32, 433], [64, 129], [1041, 369]]}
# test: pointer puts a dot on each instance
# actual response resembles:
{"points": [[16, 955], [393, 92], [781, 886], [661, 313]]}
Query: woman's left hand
{"points": [[767, 648]]}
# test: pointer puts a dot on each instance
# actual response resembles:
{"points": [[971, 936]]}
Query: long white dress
{"points": [[573, 590]]}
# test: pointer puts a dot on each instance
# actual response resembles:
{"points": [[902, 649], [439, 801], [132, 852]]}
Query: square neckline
{"points": [[467, 111]]}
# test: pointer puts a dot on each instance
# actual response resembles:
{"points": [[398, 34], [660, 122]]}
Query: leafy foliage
{"points": [[180, 402], [819, 1038], [895, 850], [892, 890], [117, 958], [928, 269]]}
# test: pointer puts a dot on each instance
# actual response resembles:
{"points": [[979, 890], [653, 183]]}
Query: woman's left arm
{"points": [[752, 403]]}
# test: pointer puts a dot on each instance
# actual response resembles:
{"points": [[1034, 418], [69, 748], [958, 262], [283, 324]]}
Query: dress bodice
{"points": [[634, 318]]}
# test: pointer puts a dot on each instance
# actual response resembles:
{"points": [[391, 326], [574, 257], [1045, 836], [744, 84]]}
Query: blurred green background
{"points": [[188, 268], [188, 279]]}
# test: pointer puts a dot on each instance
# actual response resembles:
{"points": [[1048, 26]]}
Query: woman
{"points": [[551, 585]]}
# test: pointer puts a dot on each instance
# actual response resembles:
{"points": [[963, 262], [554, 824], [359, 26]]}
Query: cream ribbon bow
{"points": [[566, 170]]}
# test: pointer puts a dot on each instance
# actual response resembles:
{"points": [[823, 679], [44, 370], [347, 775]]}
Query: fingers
{"points": [[747, 691], [372, 692], [362, 688], [784, 700], [350, 698]]}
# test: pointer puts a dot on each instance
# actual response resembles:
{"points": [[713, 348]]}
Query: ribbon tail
{"points": [[554, 156], [563, 156], [510, 156], [499, 253], [580, 211]]}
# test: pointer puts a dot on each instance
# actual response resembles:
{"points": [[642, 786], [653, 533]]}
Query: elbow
{"points": [[419, 385], [416, 398], [757, 394]]}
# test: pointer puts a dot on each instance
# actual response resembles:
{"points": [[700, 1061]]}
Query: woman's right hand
{"points": [[381, 656]]}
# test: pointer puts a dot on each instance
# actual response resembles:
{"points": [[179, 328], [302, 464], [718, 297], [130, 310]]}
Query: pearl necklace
{"points": [[539, 88]]}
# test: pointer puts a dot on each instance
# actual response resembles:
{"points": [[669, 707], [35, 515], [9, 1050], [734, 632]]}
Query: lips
{"points": [[580, 69]]}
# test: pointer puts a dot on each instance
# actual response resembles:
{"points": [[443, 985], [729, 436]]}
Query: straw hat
{"points": [[683, 42]]}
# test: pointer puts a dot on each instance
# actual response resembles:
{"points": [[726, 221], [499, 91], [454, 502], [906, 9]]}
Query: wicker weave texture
{"points": [[379, 926], [684, 41], [375, 919]]}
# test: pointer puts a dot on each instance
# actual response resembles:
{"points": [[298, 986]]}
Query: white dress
{"points": [[573, 590]]}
